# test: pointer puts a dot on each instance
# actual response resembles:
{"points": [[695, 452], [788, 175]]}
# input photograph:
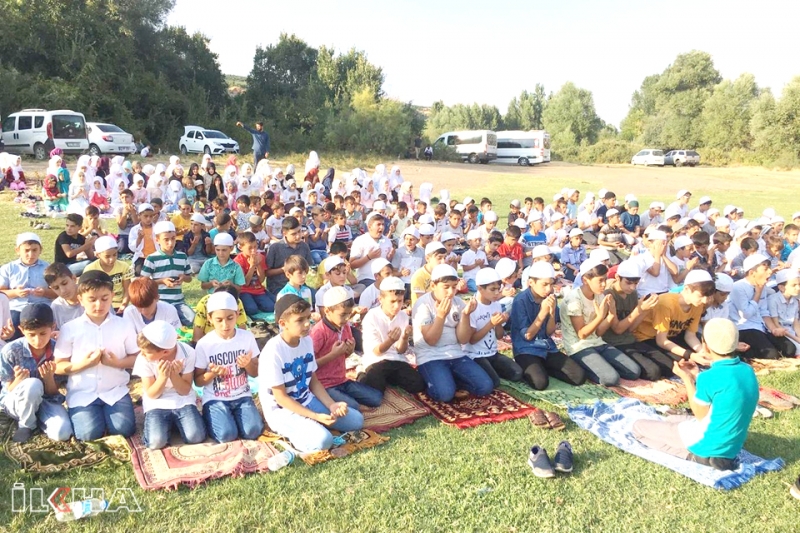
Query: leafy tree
{"points": [[570, 117], [727, 113], [525, 112]]}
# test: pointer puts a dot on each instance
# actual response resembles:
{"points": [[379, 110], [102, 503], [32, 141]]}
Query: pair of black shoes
{"points": [[540, 463]]}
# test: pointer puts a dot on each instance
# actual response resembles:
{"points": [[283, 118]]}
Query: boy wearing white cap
{"points": [[408, 257], [672, 325], [719, 306], [166, 367], [333, 343], [170, 269], [370, 246], [573, 254], [106, 251], [441, 326], [221, 269], [386, 331], [533, 237], [612, 237], [783, 307], [653, 217], [473, 259], [435, 254], [749, 306], [723, 400], [657, 269], [489, 224], [22, 280], [486, 326], [225, 358], [142, 237]]}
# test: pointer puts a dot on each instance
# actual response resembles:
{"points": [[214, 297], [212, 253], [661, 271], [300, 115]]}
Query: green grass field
{"points": [[431, 477]]}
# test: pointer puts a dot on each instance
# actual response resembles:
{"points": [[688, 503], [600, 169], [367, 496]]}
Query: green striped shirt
{"points": [[160, 266]]}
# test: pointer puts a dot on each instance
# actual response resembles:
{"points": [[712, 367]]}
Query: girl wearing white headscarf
{"points": [[275, 187], [245, 188], [78, 194], [204, 163], [120, 184], [368, 194], [174, 160], [261, 175], [172, 196], [140, 194], [98, 195], [291, 194], [14, 175], [395, 180], [338, 188], [425, 192], [230, 175], [380, 172]]}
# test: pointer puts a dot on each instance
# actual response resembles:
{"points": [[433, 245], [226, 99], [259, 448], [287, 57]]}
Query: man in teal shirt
{"points": [[723, 400]]}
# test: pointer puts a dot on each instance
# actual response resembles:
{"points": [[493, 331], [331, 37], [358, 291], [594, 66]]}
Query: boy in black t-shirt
{"points": [[70, 243]]}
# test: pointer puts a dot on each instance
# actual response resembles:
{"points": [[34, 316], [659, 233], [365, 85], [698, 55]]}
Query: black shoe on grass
{"points": [[563, 457]]}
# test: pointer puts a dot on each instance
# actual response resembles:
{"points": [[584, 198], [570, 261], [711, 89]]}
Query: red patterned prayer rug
{"points": [[472, 411]]}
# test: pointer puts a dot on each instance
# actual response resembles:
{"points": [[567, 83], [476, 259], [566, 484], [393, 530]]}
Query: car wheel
{"points": [[473, 159], [523, 162], [94, 150], [678, 163], [183, 150], [207, 150], [39, 151]]}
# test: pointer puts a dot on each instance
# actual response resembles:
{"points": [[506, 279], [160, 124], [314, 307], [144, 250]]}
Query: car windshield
{"points": [[658, 152], [212, 134], [110, 128]]}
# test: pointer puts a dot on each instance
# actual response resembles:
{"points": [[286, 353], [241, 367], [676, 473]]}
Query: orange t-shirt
{"points": [[149, 246]]}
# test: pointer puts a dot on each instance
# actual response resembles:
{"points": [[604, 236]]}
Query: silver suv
{"points": [[678, 158]]}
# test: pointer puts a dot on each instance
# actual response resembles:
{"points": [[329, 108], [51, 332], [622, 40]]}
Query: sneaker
{"points": [[540, 462], [794, 490], [563, 457], [22, 435]]}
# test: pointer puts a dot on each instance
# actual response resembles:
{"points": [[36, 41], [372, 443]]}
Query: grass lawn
{"points": [[431, 477]]}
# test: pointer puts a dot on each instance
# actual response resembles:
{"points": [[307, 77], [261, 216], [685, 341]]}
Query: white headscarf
{"points": [[117, 160], [380, 172], [54, 166], [275, 186], [115, 198], [15, 164], [102, 190], [395, 178], [83, 161], [205, 161], [230, 175], [5, 162], [174, 160], [425, 192], [444, 197], [312, 161], [261, 174]]}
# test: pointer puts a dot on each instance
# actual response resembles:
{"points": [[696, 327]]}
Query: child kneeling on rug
{"points": [[166, 367], [723, 400], [441, 326], [295, 403], [224, 359]]}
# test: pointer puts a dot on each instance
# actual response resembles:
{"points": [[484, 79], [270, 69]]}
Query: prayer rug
{"points": [[396, 409], [346, 444], [472, 411], [663, 391], [763, 367], [560, 394], [776, 400]]}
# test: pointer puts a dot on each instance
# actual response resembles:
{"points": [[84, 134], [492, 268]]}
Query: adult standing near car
{"points": [[260, 141]]}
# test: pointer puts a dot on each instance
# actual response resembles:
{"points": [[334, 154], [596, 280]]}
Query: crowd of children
{"points": [[631, 294]]}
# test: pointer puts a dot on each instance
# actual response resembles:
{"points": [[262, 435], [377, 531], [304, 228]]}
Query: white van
{"points": [[523, 147], [475, 146], [37, 131]]}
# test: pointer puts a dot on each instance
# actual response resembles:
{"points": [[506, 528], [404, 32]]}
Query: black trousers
{"points": [[660, 357], [535, 369], [646, 357], [499, 366], [397, 373], [766, 345]]}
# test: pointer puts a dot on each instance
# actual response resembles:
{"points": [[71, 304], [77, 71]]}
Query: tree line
{"points": [[119, 61]]}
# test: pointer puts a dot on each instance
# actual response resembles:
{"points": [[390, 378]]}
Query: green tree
{"points": [[525, 112], [727, 114], [570, 117]]}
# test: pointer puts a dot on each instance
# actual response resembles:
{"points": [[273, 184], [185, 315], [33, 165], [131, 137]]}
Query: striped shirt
{"points": [[160, 266]]}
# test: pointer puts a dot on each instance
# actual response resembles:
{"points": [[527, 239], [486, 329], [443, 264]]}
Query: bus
{"points": [[475, 146], [523, 147]]}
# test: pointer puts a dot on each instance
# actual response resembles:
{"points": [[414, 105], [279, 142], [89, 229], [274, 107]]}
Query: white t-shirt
{"points": [[468, 258], [292, 367], [77, 339], [164, 311], [559, 234], [477, 320], [448, 346], [370, 297], [170, 398], [362, 246], [576, 304], [223, 352], [63, 312], [375, 327], [5, 313], [290, 195], [276, 225], [649, 283]]}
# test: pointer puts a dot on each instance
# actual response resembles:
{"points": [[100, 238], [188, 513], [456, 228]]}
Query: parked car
{"points": [[648, 157], [475, 146], [197, 139], [37, 131], [109, 139], [678, 158]]}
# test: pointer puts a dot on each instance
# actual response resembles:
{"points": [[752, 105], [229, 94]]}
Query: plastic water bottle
{"points": [[276, 462], [82, 509]]}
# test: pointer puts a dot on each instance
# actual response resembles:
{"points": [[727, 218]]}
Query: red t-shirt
{"points": [[512, 252], [254, 287], [333, 373]]}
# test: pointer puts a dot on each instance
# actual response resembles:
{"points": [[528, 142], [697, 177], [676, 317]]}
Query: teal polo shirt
{"points": [[212, 270], [730, 387]]}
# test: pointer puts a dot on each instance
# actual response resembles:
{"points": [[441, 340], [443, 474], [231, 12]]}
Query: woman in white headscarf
{"points": [[395, 181], [172, 196], [230, 175], [380, 172], [312, 167], [78, 194], [204, 163], [261, 175]]}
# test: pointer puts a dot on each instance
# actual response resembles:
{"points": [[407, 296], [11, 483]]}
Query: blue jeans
{"points": [[158, 423], [257, 303], [318, 256], [472, 286], [308, 435], [356, 394], [92, 421], [28, 406], [78, 268], [185, 314], [442, 376], [605, 364], [230, 420]]}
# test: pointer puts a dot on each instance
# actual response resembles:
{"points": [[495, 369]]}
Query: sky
{"points": [[490, 51]]}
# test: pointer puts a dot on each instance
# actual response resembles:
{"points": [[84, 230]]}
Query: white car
{"points": [[649, 157], [37, 131], [109, 139], [200, 140]]}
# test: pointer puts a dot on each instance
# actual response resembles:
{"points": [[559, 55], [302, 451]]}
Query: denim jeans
{"points": [[471, 285], [356, 394], [308, 435], [185, 314], [257, 303], [94, 420], [234, 419], [159, 422], [27, 405], [78, 268], [318, 256], [605, 364], [441, 378]]}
